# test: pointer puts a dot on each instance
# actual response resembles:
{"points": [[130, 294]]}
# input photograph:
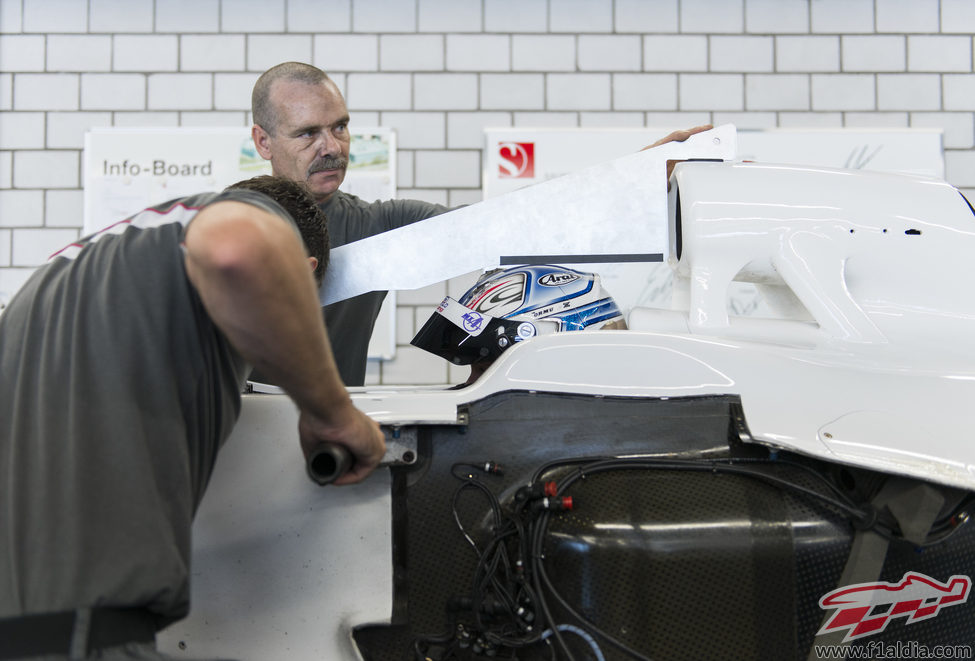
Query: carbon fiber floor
{"points": [[676, 565]]}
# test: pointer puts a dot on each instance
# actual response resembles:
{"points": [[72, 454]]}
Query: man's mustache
{"points": [[328, 163]]}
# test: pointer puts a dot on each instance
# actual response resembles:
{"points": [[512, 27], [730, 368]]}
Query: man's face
{"points": [[311, 141]]}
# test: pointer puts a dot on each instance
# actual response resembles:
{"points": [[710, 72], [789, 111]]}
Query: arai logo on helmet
{"points": [[557, 279]]}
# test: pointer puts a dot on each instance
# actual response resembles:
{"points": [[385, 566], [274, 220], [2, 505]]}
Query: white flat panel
{"points": [[612, 212], [282, 568]]}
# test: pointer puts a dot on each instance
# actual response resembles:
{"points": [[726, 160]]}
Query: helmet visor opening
{"points": [[464, 336], [442, 337]]}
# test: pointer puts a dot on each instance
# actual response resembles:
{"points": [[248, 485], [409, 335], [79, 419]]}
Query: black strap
{"points": [[53, 633]]}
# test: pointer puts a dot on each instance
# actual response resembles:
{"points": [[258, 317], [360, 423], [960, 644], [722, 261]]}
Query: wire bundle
{"points": [[512, 600], [504, 611]]}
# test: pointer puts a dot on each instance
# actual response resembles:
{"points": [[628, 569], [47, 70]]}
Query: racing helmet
{"points": [[509, 305]]}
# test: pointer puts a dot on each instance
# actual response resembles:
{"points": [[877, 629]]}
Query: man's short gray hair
{"points": [[263, 111]]}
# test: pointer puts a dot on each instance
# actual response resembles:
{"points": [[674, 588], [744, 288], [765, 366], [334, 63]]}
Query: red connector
{"points": [[553, 504]]}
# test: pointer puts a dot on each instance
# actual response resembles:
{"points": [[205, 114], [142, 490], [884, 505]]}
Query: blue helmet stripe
{"points": [[593, 313]]}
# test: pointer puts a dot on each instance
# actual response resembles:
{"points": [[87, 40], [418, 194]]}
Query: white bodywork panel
{"points": [[613, 209], [870, 362], [282, 568], [899, 417]]}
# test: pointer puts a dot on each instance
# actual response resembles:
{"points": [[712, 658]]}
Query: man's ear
{"points": [[313, 262], [262, 141]]}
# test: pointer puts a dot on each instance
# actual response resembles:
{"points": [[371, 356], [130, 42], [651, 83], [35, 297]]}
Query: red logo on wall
{"points": [[517, 160]]}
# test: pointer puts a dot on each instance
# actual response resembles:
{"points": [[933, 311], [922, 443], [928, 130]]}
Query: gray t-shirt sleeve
{"points": [[254, 198], [351, 219], [350, 322]]}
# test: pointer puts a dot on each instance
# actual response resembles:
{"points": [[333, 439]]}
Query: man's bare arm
{"points": [[254, 279]]}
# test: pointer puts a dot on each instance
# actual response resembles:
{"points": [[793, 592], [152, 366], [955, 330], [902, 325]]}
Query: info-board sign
{"points": [[127, 169], [519, 157]]}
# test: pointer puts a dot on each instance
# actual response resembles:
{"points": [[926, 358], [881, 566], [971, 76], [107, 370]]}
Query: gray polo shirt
{"points": [[350, 322], [116, 392]]}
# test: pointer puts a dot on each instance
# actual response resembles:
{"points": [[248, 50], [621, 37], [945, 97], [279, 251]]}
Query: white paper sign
{"points": [[127, 169], [911, 151]]}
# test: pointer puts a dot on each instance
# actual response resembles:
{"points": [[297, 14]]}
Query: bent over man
{"points": [[121, 366]]}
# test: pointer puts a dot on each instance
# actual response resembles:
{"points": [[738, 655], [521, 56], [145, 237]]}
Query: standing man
{"points": [[301, 125], [121, 366]]}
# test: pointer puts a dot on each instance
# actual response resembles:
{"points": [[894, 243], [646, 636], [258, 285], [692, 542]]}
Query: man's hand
{"points": [[677, 136], [353, 430]]}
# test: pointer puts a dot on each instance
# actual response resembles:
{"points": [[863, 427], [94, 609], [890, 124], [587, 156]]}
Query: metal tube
{"points": [[327, 462]]}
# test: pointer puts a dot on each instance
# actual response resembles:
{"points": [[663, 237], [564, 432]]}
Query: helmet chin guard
{"points": [[506, 306]]}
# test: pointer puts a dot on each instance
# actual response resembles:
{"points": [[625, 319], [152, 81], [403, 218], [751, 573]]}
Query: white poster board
{"points": [[910, 151], [518, 157], [129, 169]]}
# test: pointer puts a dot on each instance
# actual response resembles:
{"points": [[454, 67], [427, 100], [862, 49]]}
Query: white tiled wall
{"points": [[439, 71]]}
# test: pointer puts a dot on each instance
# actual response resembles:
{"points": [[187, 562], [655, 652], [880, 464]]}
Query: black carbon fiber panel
{"points": [[675, 564], [679, 565]]}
